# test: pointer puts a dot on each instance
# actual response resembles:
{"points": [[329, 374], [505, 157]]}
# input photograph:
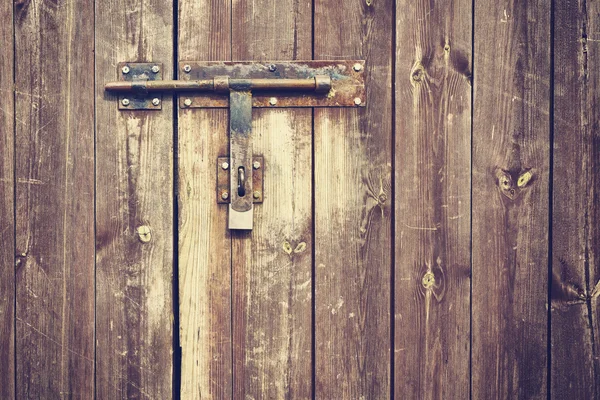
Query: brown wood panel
{"points": [[7, 221], [204, 241], [433, 199], [54, 94], [576, 207], [272, 265], [510, 199], [353, 208], [134, 211]]}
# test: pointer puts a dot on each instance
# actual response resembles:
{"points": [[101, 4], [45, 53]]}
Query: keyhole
{"points": [[241, 182]]}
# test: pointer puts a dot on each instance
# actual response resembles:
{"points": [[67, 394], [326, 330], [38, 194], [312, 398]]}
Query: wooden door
{"points": [[439, 243]]}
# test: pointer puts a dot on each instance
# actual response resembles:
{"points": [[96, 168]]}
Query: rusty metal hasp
{"points": [[241, 86]]}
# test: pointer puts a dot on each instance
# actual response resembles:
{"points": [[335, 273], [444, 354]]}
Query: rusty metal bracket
{"points": [[242, 86], [138, 74], [223, 179]]}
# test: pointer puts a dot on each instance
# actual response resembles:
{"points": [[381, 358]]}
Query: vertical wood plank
{"points": [[134, 214], [575, 371], [510, 199], [54, 199], [353, 193], [204, 241], [433, 172], [272, 265], [7, 222]]}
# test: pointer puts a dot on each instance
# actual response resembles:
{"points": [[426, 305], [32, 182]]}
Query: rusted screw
{"points": [[273, 101], [225, 165], [256, 195], [187, 102], [155, 69], [225, 195], [256, 165], [125, 102], [357, 101], [156, 101], [357, 67], [187, 68], [272, 68], [125, 69]]}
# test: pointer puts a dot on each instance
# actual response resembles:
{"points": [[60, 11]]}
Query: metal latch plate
{"points": [[347, 81], [132, 72], [223, 182]]}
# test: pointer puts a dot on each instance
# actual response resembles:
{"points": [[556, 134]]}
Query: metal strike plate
{"points": [[347, 82], [223, 180], [140, 100]]}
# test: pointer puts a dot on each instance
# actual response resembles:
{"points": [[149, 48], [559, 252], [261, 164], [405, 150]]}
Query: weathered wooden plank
{"points": [[134, 212], [7, 222], [575, 370], [204, 242], [433, 173], [54, 199], [510, 199], [272, 265], [353, 238]]}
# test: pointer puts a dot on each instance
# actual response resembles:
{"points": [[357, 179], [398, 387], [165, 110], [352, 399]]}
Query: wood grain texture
{"points": [[7, 221], [353, 197], [272, 265], [134, 212], [433, 180], [204, 241], [510, 199], [576, 206], [54, 199]]}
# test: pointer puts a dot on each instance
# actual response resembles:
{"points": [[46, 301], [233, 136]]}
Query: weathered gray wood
{"points": [[204, 241], [510, 199], [7, 222], [576, 209], [433, 208], [134, 211], [54, 94], [353, 201], [272, 264]]}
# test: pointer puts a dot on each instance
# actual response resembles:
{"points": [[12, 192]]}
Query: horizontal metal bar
{"points": [[320, 84]]}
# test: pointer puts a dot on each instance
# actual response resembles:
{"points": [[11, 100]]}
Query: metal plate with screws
{"points": [[347, 82], [223, 171], [132, 72]]}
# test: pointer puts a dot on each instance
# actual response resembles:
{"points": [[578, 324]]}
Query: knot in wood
{"points": [[144, 233], [428, 280]]}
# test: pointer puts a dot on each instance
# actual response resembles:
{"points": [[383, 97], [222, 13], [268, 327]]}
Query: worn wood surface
{"points": [[575, 369], [433, 172], [510, 199], [272, 265], [204, 241], [54, 199], [7, 221], [134, 209], [353, 204]]}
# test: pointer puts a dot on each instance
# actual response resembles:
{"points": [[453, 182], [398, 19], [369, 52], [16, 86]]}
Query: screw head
{"points": [[225, 165], [125, 102], [273, 101], [187, 68], [357, 101], [156, 101], [357, 67], [256, 165], [225, 195], [256, 195], [187, 102], [125, 69], [272, 68], [155, 69]]}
